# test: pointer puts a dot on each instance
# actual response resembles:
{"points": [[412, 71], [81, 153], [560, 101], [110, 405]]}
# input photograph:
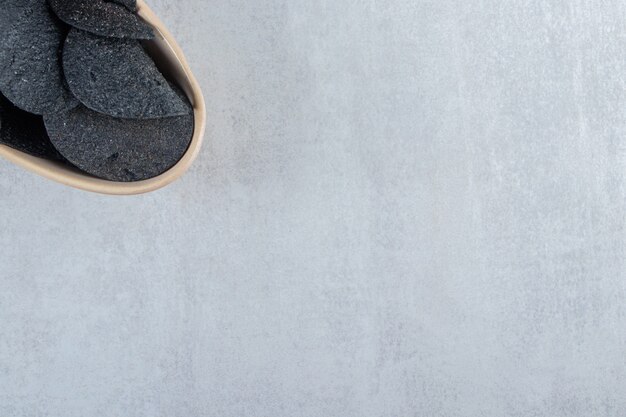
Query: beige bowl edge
{"points": [[61, 174]]}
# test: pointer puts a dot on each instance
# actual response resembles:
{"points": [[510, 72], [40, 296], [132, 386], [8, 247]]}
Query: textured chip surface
{"points": [[121, 150], [130, 4], [24, 131], [117, 77], [102, 18], [30, 67], [9, 10]]}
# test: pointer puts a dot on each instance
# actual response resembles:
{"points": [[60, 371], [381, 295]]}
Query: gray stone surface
{"points": [[404, 208]]}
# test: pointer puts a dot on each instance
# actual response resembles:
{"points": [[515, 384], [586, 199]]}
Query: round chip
{"points": [[117, 77], [102, 18], [121, 150], [30, 68]]}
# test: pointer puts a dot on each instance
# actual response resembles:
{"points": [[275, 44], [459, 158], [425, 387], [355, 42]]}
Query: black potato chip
{"points": [[30, 67], [102, 18], [117, 77], [116, 149]]}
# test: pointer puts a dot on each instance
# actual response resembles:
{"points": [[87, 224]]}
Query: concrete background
{"points": [[405, 208]]}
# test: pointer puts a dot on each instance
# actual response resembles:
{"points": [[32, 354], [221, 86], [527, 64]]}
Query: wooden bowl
{"points": [[171, 61]]}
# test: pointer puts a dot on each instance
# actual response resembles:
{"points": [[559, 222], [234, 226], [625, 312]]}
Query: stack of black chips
{"points": [[78, 87]]}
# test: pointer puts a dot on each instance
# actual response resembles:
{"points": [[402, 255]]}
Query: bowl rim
{"points": [[74, 178]]}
